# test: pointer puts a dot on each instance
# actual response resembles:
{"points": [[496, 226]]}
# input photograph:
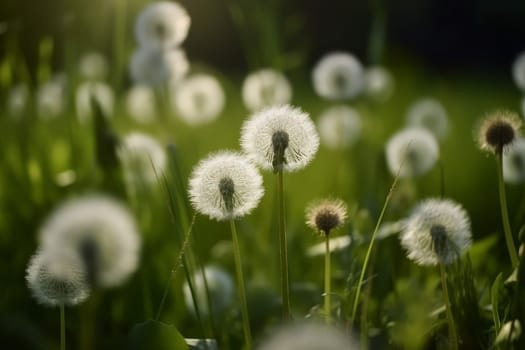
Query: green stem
{"points": [[62, 327], [285, 288], [240, 284], [453, 337], [327, 280], [505, 214]]}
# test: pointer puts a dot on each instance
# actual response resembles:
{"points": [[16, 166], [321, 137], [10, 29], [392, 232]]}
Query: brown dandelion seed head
{"points": [[498, 131], [326, 215]]}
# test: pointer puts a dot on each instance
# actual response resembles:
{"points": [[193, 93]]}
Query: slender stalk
{"points": [[240, 285], [505, 213], [285, 287], [327, 280], [62, 327], [453, 337]]}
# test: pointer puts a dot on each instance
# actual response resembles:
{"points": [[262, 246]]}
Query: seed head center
{"points": [[280, 140]]}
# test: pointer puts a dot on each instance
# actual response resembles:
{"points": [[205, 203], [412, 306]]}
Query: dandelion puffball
{"points": [[326, 215], [143, 159], [50, 98], [157, 68], [225, 185], [339, 127], [102, 231], [140, 104], [264, 88], [57, 277], [430, 114], [379, 83], [93, 66], [498, 131], [162, 25], [338, 76], [518, 71], [514, 162], [411, 152], [18, 100], [199, 99], [437, 230], [280, 138], [90, 92]]}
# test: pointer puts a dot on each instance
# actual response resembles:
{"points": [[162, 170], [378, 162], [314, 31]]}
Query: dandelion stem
{"points": [[327, 280], [453, 337], [370, 246], [240, 286], [62, 327], [505, 213], [285, 288]]}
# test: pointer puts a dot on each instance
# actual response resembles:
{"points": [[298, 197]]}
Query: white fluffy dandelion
{"points": [[50, 98], [225, 185], [143, 159], [93, 66], [157, 68], [140, 104], [514, 162], [437, 230], [308, 336], [411, 152], [430, 114], [18, 100], [379, 83], [162, 25], [518, 71], [90, 92], [102, 231], [280, 137], [264, 88], [338, 76], [57, 277], [199, 99], [339, 127], [220, 286]]}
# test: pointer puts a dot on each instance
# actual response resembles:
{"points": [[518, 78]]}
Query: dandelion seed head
{"points": [[338, 76], [265, 88], [498, 131], [326, 215], [437, 230], [514, 162], [280, 137], [518, 71], [102, 231], [50, 98], [411, 152], [18, 100], [162, 25], [140, 104], [100, 92], [339, 127], [225, 185], [143, 159], [199, 99], [430, 114], [158, 68], [57, 276], [379, 83], [93, 66]]}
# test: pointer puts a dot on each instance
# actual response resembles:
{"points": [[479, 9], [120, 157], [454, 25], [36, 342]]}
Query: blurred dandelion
{"points": [[509, 332], [437, 231], [102, 231], [338, 76], [100, 92], [379, 83], [162, 25], [518, 71], [18, 100], [50, 98], [93, 66], [514, 162], [339, 127], [142, 158], [141, 104], [411, 152], [265, 88], [430, 114], [158, 68], [199, 99]]}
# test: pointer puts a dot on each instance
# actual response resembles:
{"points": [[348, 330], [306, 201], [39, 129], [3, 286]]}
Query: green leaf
{"points": [[156, 335], [494, 295]]}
